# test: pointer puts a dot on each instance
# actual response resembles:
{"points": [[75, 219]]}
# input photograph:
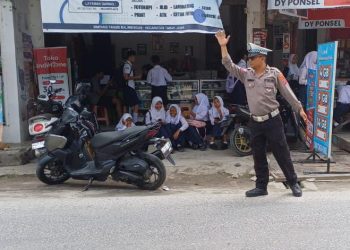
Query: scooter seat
{"points": [[45, 116], [105, 138]]}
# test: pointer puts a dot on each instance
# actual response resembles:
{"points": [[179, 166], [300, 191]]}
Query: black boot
{"points": [[256, 192], [296, 189]]}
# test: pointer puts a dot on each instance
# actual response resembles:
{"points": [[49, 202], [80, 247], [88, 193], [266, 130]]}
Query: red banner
{"points": [[51, 64], [326, 19]]}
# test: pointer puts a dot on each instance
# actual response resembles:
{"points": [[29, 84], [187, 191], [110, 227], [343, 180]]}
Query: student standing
{"points": [[130, 97], [158, 78], [310, 62]]}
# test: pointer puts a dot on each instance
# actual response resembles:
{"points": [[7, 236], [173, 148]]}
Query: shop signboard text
{"points": [[51, 64], [161, 16], [307, 4]]}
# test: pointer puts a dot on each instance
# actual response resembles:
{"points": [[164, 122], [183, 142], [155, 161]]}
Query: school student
{"points": [[157, 114], [125, 122], [158, 78], [176, 126], [199, 115], [217, 114]]}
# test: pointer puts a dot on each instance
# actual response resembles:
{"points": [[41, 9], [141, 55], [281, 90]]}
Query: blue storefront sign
{"points": [[325, 87]]}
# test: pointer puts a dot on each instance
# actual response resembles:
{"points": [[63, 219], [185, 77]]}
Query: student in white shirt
{"points": [[125, 123], [176, 126], [129, 93], [157, 114], [217, 114], [158, 78], [343, 104], [310, 62]]}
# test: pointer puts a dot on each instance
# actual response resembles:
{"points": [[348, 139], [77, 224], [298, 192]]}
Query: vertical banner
{"points": [[286, 43], [326, 65], [51, 64], [310, 107], [1, 104], [260, 37]]}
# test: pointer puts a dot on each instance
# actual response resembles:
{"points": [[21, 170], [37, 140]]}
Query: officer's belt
{"points": [[265, 117]]}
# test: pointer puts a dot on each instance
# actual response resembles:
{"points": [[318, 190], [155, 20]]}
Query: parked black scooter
{"points": [[118, 154]]}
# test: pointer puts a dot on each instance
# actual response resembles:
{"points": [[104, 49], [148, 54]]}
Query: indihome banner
{"points": [[146, 16], [51, 64], [307, 4]]}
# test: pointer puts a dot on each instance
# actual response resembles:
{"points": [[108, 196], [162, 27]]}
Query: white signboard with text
{"points": [[146, 16], [306, 4]]}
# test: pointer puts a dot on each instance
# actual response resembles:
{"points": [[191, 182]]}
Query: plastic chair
{"points": [[101, 114]]}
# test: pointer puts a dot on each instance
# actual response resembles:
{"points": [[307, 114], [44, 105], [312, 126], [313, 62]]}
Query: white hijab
{"points": [[203, 103], [293, 67], [310, 61], [217, 113], [173, 120], [120, 126], [157, 114]]}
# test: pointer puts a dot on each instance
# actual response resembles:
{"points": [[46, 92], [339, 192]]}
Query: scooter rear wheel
{"points": [[52, 172], [155, 175]]}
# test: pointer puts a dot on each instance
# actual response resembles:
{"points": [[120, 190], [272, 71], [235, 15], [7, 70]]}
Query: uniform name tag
{"points": [[270, 80]]}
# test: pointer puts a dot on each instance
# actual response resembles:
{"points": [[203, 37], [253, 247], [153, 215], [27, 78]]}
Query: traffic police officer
{"points": [[261, 83]]}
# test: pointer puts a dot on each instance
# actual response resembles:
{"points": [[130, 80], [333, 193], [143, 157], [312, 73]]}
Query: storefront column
{"points": [[12, 129], [255, 16]]}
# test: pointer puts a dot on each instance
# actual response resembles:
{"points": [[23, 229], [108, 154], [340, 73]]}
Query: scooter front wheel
{"points": [[51, 172], [155, 175]]}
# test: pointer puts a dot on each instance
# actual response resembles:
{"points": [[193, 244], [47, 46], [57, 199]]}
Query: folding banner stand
{"points": [[320, 110]]}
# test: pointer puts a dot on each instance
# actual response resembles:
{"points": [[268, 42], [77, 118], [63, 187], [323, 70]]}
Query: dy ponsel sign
{"points": [[306, 4], [161, 16]]}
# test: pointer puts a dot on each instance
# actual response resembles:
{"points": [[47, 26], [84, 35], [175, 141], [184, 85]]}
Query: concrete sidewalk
{"points": [[210, 162]]}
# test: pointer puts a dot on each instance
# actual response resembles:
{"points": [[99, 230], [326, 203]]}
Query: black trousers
{"points": [[160, 91], [270, 131]]}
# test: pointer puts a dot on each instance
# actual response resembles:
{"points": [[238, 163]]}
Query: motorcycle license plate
{"points": [[38, 145], [166, 149]]}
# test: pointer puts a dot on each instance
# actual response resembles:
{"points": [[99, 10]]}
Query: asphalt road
{"points": [[186, 217]]}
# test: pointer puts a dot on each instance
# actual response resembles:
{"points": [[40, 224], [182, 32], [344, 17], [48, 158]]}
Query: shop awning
{"points": [[326, 19], [306, 4], [160, 16]]}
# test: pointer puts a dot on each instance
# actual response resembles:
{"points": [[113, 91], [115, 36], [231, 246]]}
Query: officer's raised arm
{"points": [[287, 92], [235, 70]]}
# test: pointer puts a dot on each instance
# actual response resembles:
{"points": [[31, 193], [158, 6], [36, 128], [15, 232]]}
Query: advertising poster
{"points": [[286, 43], [51, 64], [260, 37], [310, 107], [161, 16], [326, 65], [306, 4]]}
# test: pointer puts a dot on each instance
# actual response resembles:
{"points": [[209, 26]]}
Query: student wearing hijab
{"points": [[176, 126], [293, 72], [200, 112], [157, 114], [217, 114], [310, 62], [125, 122]]}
